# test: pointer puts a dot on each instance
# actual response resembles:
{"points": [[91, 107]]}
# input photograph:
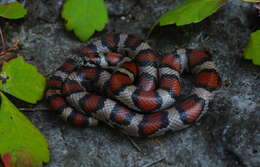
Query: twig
{"points": [[154, 162], [14, 47], [134, 144], [148, 34], [2, 39], [34, 109]]}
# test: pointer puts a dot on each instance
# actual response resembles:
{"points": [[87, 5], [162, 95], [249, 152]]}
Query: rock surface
{"points": [[227, 136]]}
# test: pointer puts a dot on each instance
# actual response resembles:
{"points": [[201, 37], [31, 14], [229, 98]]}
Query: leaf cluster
{"points": [[19, 139]]}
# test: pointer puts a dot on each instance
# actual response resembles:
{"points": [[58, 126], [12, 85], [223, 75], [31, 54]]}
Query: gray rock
{"points": [[228, 135]]}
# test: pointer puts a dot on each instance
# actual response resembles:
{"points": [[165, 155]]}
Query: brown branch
{"points": [[2, 39]]}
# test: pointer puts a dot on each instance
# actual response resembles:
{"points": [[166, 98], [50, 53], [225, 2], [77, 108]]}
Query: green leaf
{"points": [[251, 0], [191, 11], [84, 17], [252, 50], [22, 80], [19, 137], [13, 10]]}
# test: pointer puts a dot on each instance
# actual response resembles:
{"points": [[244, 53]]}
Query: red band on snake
{"points": [[119, 80]]}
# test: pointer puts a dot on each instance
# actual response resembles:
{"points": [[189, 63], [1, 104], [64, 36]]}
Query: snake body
{"points": [[118, 80]]}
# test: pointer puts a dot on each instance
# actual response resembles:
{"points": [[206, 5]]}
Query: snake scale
{"points": [[119, 80]]}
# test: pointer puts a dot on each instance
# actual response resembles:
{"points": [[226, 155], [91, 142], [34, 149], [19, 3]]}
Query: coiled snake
{"points": [[117, 80]]}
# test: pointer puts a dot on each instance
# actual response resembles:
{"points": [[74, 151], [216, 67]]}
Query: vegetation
{"points": [[252, 51], [84, 19], [21, 143]]}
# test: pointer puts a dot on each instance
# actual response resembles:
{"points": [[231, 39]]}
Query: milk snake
{"points": [[118, 80]]}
